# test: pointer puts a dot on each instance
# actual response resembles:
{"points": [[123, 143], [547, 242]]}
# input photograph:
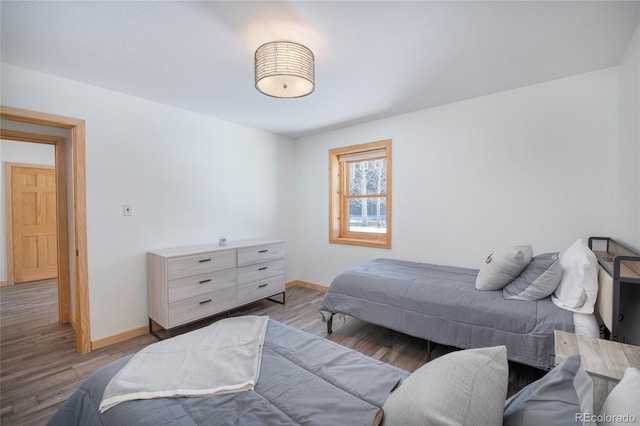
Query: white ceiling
{"points": [[374, 59]]}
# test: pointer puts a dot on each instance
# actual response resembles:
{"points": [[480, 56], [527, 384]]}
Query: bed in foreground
{"points": [[441, 304], [302, 380], [308, 380]]}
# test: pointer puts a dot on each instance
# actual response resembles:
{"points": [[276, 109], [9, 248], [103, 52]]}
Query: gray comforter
{"points": [[441, 304], [304, 380]]}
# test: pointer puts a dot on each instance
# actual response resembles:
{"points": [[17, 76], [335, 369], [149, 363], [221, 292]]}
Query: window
{"points": [[360, 194]]}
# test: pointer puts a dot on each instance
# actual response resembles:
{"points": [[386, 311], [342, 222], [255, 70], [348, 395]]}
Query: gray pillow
{"points": [[562, 397], [538, 280], [463, 388], [502, 267]]}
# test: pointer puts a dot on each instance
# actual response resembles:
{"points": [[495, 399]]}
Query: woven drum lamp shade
{"points": [[284, 69]]}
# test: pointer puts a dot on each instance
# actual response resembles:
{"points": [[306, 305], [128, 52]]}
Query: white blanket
{"points": [[221, 358]]}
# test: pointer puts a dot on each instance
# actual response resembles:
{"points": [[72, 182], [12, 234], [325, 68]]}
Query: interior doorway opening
{"points": [[73, 295]]}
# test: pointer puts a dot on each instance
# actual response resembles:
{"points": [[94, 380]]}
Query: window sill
{"points": [[360, 242]]}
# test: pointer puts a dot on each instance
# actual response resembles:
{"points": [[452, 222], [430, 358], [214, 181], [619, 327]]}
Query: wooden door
{"points": [[33, 211]]}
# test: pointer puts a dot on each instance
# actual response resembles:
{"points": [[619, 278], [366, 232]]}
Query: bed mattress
{"points": [[304, 379], [441, 304]]}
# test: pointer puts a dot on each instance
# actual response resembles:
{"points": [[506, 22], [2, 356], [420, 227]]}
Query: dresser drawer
{"points": [[185, 266], [260, 254], [186, 288], [260, 271], [260, 289], [202, 306]]}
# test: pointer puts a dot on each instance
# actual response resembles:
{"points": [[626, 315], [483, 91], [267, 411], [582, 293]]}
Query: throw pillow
{"points": [[578, 287], [538, 280], [563, 396], [464, 388], [502, 267], [622, 406]]}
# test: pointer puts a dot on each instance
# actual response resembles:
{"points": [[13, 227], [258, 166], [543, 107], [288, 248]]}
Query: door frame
{"points": [[79, 211], [61, 226]]}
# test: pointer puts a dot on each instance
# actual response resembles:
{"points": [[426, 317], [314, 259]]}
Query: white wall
{"points": [[17, 152], [189, 178], [530, 165], [628, 159], [627, 204]]}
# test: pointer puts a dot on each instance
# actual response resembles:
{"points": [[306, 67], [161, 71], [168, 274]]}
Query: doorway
{"points": [[72, 268]]}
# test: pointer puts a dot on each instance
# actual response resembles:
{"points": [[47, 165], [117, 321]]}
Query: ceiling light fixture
{"points": [[284, 69]]}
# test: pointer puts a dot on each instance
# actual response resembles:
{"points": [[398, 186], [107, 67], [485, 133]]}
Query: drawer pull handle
{"points": [[204, 260], [205, 301], [263, 251], [205, 281], [263, 285], [263, 268]]}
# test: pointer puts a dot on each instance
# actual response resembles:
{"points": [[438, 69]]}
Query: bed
{"points": [[308, 380], [441, 304], [301, 381]]}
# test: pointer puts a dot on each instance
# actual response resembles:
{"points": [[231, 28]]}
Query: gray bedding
{"points": [[441, 304], [304, 380]]}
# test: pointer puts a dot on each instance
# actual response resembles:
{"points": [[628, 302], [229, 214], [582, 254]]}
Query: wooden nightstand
{"points": [[604, 360]]}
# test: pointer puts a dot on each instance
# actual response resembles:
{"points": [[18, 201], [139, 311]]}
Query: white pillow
{"points": [[462, 388], [586, 325], [578, 287], [622, 406], [502, 267]]}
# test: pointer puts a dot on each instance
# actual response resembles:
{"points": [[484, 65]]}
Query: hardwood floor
{"points": [[40, 368]]}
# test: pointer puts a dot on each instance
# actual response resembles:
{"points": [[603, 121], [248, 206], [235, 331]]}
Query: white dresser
{"points": [[186, 284]]}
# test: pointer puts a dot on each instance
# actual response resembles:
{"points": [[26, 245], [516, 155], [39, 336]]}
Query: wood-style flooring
{"points": [[40, 368]]}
